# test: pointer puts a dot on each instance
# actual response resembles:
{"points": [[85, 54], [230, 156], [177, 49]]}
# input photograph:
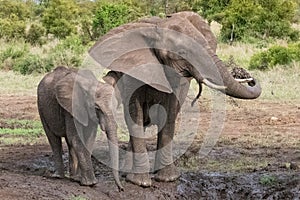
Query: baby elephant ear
{"points": [[74, 94], [84, 95]]}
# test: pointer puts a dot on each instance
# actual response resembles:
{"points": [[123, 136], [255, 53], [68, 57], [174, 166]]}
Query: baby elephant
{"points": [[71, 104]]}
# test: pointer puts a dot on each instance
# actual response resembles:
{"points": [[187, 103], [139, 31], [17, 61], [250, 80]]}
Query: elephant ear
{"points": [[75, 93], [126, 49]]}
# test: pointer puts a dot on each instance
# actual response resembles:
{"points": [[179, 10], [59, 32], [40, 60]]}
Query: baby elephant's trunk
{"points": [[112, 138], [114, 157]]}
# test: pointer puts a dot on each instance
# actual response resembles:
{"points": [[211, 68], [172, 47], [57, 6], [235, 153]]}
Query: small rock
{"points": [[274, 118]]}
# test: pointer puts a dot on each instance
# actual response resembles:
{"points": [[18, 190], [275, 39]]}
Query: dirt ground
{"points": [[256, 157]]}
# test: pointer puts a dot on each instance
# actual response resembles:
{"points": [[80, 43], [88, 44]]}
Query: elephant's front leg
{"points": [[164, 164], [139, 174], [79, 150]]}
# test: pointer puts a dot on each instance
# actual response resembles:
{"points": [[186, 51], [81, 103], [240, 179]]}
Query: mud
{"points": [[240, 186], [257, 157]]}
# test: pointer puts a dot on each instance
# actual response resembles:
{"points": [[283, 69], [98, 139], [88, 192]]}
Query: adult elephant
{"points": [[152, 63], [71, 104]]}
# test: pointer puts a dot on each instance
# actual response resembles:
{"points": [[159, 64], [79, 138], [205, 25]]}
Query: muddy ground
{"points": [[256, 157]]}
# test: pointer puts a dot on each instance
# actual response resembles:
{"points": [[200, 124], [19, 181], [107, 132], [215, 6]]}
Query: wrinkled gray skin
{"points": [[138, 100], [71, 104]]}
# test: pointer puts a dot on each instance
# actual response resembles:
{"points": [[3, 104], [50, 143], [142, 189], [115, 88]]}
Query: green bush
{"points": [[13, 16], [32, 63], [259, 61], [295, 51], [12, 52], [69, 52], [60, 18], [35, 34], [12, 29], [280, 55], [18, 57], [242, 19], [109, 16], [16, 8], [276, 55]]}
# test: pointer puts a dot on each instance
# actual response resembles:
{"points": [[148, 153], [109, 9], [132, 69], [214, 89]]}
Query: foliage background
{"points": [[37, 35]]}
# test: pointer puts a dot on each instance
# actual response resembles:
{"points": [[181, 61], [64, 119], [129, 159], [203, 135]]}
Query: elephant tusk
{"points": [[244, 80], [213, 86]]}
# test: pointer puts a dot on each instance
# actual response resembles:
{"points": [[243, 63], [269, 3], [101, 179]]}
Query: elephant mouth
{"points": [[242, 76]]}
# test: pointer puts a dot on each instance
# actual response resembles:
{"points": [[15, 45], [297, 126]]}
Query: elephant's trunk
{"points": [[111, 132], [228, 84], [233, 87]]}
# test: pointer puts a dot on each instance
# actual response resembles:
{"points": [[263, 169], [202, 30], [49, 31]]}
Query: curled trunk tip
{"points": [[198, 95]]}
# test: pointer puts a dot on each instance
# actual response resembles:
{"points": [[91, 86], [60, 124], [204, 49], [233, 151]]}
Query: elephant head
{"points": [[181, 42], [90, 101]]}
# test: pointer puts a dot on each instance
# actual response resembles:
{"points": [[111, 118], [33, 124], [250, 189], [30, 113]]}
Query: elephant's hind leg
{"points": [[56, 146], [74, 169]]}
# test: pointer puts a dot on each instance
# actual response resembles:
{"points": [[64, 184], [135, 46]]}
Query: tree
{"points": [[86, 12], [108, 16], [242, 19], [13, 16], [59, 18], [211, 9]]}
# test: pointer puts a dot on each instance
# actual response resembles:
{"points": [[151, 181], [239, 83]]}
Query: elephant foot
{"points": [[142, 180], [88, 182], [167, 174], [75, 178]]}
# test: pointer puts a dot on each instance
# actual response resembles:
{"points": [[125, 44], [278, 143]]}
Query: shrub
{"points": [[109, 16], [259, 61], [276, 55], [35, 34], [260, 18], [13, 16], [12, 29], [12, 52], [29, 64], [18, 57], [295, 51], [279, 55], [69, 52]]}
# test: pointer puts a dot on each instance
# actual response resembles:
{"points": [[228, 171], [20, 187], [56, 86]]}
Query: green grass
{"points": [[20, 131], [268, 180], [235, 165]]}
